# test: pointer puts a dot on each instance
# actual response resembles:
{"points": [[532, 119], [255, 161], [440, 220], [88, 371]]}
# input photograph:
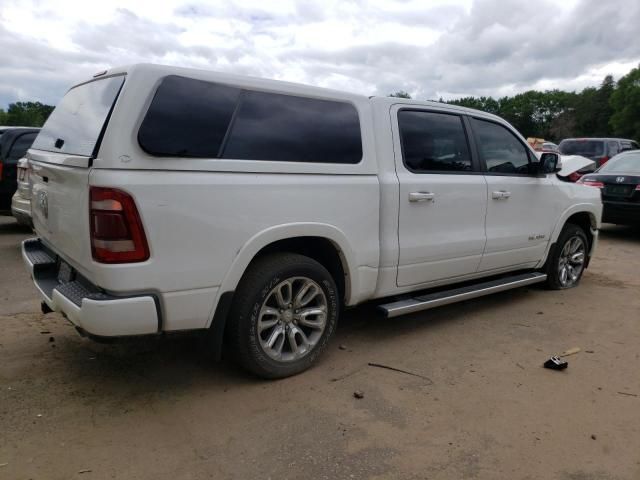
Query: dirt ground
{"points": [[483, 408]]}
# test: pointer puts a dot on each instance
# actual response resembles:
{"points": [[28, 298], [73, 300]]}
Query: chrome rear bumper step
{"points": [[437, 299]]}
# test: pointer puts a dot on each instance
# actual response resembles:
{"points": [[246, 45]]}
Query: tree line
{"points": [[25, 114], [610, 110]]}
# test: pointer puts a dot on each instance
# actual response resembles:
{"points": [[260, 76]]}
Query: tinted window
{"points": [[286, 128], [187, 118], [21, 145], [627, 163], [433, 142], [628, 145], [75, 125], [586, 148], [501, 151], [613, 148]]}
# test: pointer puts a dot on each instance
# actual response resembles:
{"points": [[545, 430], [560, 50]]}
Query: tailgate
{"points": [[60, 159], [60, 207]]}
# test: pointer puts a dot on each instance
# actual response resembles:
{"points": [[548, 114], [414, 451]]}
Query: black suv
{"points": [[14, 144]]}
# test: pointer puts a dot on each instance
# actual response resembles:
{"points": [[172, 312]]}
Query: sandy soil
{"points": [[482, 407]]}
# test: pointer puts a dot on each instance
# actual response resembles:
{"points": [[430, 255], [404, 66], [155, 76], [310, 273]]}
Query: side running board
{"points": [[433, 300]]}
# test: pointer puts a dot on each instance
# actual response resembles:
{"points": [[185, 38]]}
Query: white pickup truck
{"points": [[169, 199]]}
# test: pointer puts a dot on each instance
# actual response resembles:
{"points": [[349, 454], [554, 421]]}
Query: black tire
{"points": [[553, 264], [257, 284]]}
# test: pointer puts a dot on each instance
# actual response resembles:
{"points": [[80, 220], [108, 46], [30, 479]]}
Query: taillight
{"points": [[638, 188], [575, 176], [591, 183], [117, 235], [602, 160]]}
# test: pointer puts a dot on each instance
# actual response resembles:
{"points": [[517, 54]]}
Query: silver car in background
{"points": [[21, 200]]}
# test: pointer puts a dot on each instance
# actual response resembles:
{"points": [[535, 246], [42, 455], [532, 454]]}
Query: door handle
{"points": [[500, 195], [422, 197]]}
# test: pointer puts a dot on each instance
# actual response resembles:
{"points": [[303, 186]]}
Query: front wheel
{"points": [[284, 312], [567, 262]]}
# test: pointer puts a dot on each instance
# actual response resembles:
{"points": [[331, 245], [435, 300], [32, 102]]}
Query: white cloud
{"points": [[437, 48]]}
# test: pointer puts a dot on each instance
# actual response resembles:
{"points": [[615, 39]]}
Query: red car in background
{"points": [[600, 150]]}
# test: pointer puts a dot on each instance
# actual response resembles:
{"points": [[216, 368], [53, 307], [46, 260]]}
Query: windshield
{"points": [[627, 163], [587, 148], [75, 125]]}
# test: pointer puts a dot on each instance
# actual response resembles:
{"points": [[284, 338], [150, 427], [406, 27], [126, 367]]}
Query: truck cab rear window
{"points": [[192, 118], [75, 125]]}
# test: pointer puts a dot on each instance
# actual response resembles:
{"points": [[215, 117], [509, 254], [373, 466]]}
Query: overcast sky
{"points": [[430, 48]]}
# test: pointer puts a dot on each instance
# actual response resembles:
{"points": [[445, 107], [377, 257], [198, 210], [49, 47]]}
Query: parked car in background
{"points": [[4, 128], [14, 144], [21, 201], [550, 147], [600, 150], [168, 199], [619, 183]]}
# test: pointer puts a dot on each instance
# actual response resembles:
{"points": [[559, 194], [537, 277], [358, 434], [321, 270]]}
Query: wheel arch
{"points": [[322, 242], [585, 216]]}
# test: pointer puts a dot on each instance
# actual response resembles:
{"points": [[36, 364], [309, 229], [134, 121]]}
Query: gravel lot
{"points": [[482, 406]]}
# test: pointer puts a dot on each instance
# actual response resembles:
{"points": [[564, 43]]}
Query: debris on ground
{"points": [[387, 367], [593, 437], [51, 339], [590, 351], [342, 347], [571, 351], [358, 394], [629, 394], [556, 363], [45, 332], [86, 470], [3, 465]]}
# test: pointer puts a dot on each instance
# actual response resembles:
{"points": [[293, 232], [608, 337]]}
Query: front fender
{"points": [[595, 214]]}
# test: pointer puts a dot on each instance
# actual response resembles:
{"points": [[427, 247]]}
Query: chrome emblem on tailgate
{"points": [[43, 203]]}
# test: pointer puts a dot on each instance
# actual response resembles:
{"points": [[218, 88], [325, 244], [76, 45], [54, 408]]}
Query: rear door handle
{"points": [[500, 195], [422, 197]]}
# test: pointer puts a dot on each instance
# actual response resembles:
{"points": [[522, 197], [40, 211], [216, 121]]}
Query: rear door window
{"points": [[500, 149], [586, 148], [75, 126], [613, 148], [433, 142]]}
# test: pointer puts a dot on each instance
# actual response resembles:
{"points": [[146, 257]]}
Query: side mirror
{"points": [[549, 163]]}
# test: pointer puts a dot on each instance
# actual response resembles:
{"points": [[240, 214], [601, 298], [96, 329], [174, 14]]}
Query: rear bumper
{"points": [[621, 213], [21, 209], [84, 304]]}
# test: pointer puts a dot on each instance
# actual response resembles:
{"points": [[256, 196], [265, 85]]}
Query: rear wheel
{"points": [[566, 264], [284, 312]]}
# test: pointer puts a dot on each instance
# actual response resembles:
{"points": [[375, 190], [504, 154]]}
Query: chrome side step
{"points": [[433, 300]]}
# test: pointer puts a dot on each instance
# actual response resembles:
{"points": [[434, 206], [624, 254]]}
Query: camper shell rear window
{"points": [[76, 124]]}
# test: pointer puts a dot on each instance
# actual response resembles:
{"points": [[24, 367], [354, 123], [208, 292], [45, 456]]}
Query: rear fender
{"points": [[283, 232]]}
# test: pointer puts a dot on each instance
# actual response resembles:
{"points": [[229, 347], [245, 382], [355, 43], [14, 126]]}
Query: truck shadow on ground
{"points": [[620, 232], [169, 365], [13, 228]]}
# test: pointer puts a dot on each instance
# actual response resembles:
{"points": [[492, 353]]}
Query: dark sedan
{"points": [[619, 182]]}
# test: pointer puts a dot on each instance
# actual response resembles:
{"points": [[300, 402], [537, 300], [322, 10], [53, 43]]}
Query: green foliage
{"points": [[27, 114], [605, 111], [625, 103]]}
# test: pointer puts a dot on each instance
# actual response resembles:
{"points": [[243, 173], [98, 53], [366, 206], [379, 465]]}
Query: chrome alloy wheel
{"points": [[571, 261], [292, 319]]}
